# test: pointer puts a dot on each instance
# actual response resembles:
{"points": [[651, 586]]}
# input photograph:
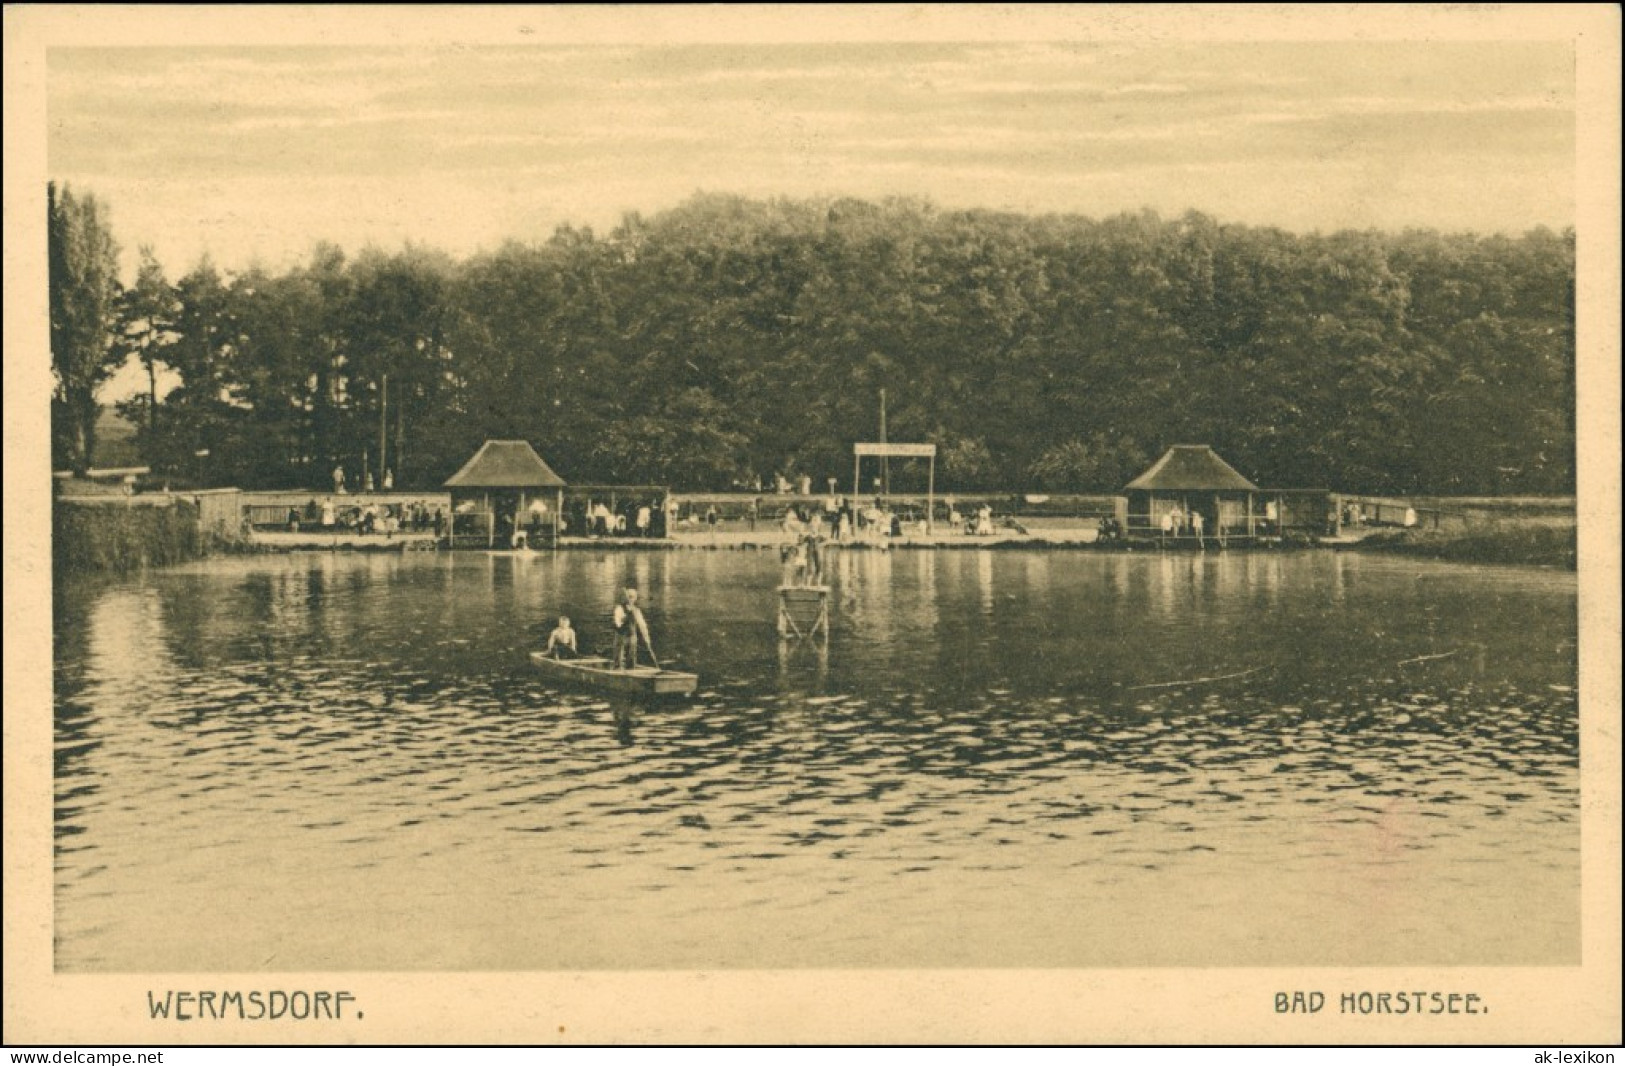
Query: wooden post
{"points": [[383, 429], [885, 461], [400, 437], [558, 515], [857, 474], [931, 493], [490, 521]]}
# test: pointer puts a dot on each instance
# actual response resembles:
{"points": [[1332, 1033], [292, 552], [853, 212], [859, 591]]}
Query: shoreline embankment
{"points": [[108, 536], [1519, 546], [95, 538], [1498, 544]]}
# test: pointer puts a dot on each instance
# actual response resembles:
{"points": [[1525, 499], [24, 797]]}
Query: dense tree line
{"points": [[730, 339]]}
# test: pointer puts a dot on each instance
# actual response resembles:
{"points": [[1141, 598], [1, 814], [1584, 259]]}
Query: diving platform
{"points": [[803, 611]]}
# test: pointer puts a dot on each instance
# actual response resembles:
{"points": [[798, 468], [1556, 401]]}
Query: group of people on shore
{"points": [[840, 519], [978, 523], [1178, 523], [386, 481], [371, 518], [837, 519], [634, 518]]}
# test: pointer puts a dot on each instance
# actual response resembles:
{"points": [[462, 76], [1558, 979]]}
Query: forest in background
{"points": [[729, 340]]}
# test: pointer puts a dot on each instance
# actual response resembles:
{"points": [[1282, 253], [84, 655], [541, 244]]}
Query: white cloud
{"points": [[263, 152]]}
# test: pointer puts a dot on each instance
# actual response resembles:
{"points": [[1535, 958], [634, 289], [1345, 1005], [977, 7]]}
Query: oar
{"points": [[648, 644]]}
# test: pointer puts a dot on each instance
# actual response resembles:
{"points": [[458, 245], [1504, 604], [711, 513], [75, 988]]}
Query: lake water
{"points": [[1001, 759]]}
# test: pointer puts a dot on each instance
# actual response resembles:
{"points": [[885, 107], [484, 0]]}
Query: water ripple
{"points": [[374, 745]]}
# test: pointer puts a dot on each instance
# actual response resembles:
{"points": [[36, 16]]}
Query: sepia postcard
{"points": [[787, 524]]}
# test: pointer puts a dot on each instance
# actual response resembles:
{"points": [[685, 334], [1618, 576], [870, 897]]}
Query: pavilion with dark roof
{"points": [[504, 494], [1191, 479]]}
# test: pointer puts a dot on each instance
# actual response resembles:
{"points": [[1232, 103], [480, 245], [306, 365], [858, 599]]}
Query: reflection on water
{"points": [[998, 759]]}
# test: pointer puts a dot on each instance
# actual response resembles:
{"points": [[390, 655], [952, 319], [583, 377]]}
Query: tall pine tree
{"points": [[84, 298]]}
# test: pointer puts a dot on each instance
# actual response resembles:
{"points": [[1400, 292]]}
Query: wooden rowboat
{"points": [[592, 672]]}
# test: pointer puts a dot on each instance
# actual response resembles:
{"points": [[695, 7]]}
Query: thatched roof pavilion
{"points": [[1191, 480], [505, 464], [1191, 468], [495, 492]]}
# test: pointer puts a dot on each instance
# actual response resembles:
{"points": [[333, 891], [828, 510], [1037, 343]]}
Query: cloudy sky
{"points": [[257, 153]]}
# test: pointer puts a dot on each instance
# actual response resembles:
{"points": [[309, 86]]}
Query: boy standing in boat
{"points": [[630, 627]]}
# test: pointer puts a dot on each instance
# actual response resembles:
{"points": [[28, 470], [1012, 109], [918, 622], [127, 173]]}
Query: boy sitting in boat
{"points": [[561, 643]]}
